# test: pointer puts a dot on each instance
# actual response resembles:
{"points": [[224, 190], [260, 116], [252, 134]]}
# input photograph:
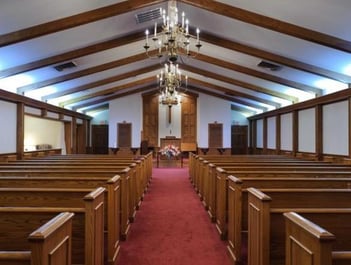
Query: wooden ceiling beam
{"points": [[74, 21], [225, 97], [272, 24], [232, 92], [67, 56], [258, 74], [258, 53], [239, 83], [82, 73], [109, 91], [112, 97]]}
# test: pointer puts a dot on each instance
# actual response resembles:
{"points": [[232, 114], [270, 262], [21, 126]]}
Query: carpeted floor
{"points": [[172, 226]]}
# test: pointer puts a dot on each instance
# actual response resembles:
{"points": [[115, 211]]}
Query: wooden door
{"points": [[239, 139], [124, 135], [215, 135], [99, 138]]}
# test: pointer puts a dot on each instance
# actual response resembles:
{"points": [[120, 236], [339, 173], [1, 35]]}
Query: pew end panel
{"points": [[306, 243], [51, 244]]}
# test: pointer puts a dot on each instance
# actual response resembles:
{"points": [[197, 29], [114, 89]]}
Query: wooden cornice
{"points": [[258, 74], [272, 24], [232, 92], [110, 90], [327, 99], [73, 21], [15, 98], [238, 83]]}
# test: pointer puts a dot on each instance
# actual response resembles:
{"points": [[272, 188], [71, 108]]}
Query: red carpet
{"points": [[172, 227]]}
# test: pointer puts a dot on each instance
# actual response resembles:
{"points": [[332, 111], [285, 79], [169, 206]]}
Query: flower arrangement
{"points": [[170, 151]]}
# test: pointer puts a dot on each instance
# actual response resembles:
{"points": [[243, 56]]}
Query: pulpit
{"points": [[170, 140]]}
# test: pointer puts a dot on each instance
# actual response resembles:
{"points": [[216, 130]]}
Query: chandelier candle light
{"points": [[174, 38], [169, 82]]}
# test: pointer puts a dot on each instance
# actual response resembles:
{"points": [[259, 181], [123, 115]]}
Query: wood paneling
{"points": [[189, 119], [150, 119]]}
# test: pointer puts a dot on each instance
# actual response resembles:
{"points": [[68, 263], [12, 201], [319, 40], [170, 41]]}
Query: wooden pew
{"points": [[309, 244], [127, 209], [266, 238], [236, 227], [51, 242], [112, 200], [87, 227], [220, 197]]}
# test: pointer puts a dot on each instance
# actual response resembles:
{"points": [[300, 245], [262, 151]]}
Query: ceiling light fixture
{"points": [[174, 38], [170, 81]]}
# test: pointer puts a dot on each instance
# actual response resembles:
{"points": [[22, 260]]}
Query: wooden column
{"points": [[20, 131], [319, 132]]}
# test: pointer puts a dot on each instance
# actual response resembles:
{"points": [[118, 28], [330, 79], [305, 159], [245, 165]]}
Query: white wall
{"points": [[271, 133], [259, 129], [238, 118], [336, 128], [128, 109], [8, 118], [209, 110], [101, 118], [307, 130], [42, 131], [286, 132]]}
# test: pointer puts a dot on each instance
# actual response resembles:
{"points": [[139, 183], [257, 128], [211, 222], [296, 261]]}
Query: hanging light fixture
{"points": [[170, 81], [174, 39]]}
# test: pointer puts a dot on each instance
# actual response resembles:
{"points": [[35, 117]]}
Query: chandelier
{"points": [[174, 38], [170, 81]]}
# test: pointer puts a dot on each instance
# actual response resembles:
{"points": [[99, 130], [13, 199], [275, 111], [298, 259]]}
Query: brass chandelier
{"points": [[170, 81], [174, 38]]}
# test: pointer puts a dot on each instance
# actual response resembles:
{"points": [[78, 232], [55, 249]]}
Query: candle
{"points": [[187, 26], [155, 30], [198, 34], [147, 36], [183, 17]]}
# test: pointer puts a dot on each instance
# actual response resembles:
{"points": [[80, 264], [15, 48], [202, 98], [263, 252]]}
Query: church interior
{"points": [[232, 115]]}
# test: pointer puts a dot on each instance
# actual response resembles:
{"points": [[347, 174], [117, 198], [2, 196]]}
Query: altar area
{"points": [[172, 152]]}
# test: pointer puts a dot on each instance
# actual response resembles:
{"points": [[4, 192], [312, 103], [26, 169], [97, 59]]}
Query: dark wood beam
{"points": [[232, 92], [109, 91], [67, 56], [239, 83], [101, 82], [272, 24], [74, 21], [85, 72], [258, 74], [244, 48], [242, 109], [231, 99], [112, 97]]}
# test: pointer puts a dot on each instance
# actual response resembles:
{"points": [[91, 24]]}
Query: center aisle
{"points": [[172, 226]]}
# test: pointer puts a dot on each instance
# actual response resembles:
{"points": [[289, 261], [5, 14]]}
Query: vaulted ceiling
{"points": [[308, 43]]}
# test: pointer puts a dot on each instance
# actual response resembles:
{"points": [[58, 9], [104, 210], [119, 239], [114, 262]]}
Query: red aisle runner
{"points": [[172, 226]]}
